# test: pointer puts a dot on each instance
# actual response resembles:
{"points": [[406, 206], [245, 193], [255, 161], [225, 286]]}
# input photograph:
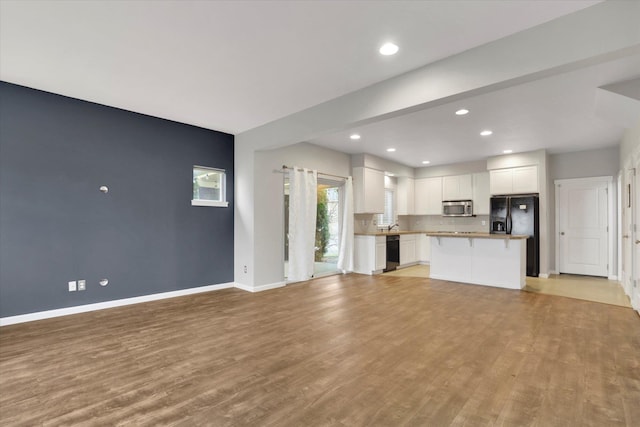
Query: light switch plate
{"points": [[73, 286], [82, 285]]}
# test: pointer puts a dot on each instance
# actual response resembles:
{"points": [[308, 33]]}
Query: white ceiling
{"points": [[557, 113], [235, 65]]}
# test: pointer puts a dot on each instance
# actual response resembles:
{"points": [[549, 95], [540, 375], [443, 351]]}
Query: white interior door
{"points": [[583, 226]]}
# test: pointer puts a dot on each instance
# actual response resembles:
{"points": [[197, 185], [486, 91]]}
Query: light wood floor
{"points": [[596, 289], [338, 351]]}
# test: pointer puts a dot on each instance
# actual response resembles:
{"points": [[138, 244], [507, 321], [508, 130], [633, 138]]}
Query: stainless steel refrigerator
{"points": [[519, 214]]}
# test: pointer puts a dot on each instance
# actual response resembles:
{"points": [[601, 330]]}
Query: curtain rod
{"points": [[319, 173]]}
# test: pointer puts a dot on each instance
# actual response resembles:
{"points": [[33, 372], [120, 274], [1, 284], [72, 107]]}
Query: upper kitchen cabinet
{"points": [[481, 197], [405, 196], [457, 187], [514, 180], [428, 196], [368, 190]]}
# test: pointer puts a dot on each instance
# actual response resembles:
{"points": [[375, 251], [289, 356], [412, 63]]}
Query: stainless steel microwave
{"points": [[457, 208]]}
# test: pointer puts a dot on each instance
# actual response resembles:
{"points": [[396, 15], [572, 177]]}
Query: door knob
{"points": [[637, 242], [562, 233]]}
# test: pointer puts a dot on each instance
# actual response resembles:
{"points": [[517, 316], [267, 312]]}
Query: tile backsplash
{"points": [[367, 223], [442, 223]]}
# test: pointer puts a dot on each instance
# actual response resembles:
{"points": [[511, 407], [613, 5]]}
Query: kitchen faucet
{"points": [[391, 227]]}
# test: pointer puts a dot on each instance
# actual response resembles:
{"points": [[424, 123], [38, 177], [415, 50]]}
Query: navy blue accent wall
{"points": [[143, 235]]}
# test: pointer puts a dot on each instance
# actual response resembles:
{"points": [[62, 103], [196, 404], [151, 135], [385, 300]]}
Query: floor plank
{"points": [[341, 350]]}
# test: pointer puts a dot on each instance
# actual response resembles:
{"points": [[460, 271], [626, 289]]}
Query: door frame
{"points": [[611, 221], [635, 234]]}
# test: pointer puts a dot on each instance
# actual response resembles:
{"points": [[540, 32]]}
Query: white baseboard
{"points": [[11, 320], [49, 314], [613, 277], [543, 276], [260, 288], [552, 272]]}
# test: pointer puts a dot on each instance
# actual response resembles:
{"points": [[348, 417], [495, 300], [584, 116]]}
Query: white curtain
{"points": [[303, 201], [345, 257]]}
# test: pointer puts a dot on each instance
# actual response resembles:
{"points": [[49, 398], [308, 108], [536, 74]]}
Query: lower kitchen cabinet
{"points": [[408, 252], [381, 252], [424, 248], [370, 254]]}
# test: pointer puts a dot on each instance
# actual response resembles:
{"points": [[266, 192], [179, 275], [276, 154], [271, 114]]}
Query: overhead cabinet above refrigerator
{"points": [[522, 180]]}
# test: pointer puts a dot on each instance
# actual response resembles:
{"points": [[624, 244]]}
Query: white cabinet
{"points": [[428, 196], [368, 190], [501, 181], [408, 252], [525, 180], [423, 245], [481, 197], [405, 196], [457, 187], [381, 252], [370, 254], [514, 180]]}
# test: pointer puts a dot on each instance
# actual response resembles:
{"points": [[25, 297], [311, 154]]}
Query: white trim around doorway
{"points": [[611, 220]]}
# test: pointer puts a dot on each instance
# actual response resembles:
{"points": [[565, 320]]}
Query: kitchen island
{"points": [[479, 258]]}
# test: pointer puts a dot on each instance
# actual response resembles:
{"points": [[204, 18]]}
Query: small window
{"points": [[388, 217], [209, 187]]}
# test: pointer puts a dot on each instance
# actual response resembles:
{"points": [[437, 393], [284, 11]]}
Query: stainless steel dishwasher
{"points": [[393, 252]]}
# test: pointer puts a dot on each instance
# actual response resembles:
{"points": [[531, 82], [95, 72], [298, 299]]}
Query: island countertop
{"points": [[475, 235]]}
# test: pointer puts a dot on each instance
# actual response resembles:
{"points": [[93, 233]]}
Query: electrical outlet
{"points": [[82, 285], [73, 286], [484, 222], [245, 268]]}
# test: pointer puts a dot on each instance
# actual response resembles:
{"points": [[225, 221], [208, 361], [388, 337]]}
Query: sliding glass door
{"points": [[327, 227]]}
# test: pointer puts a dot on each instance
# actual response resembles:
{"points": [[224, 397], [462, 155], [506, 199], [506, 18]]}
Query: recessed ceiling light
{"points": [[388, 49], [425, 162], [486, 132], [391, 150], [462, 112], [508, 151], [355, 136]]}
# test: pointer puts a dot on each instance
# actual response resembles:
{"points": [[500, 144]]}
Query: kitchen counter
{"points": [[497, 260], [390, 233], [474, 234]]}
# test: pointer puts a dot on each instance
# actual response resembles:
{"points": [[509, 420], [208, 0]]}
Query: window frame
{"points": [[392, 217], [222, 203]]}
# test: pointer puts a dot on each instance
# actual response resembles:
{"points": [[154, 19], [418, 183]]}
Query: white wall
{"points": [[629, 144], [582, 164], [378, 163], [453, 169], [269, 196]]}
